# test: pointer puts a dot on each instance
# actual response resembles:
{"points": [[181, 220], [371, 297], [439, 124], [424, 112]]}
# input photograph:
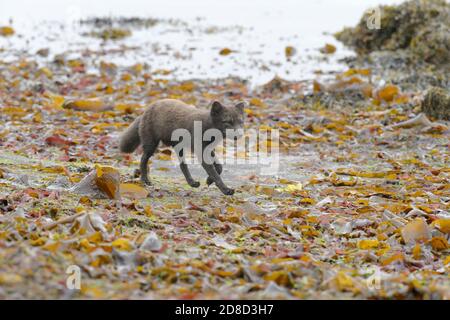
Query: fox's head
{"points": [[229, 120]]}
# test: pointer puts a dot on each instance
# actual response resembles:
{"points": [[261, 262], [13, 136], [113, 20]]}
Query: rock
{"points": [[60, 183], [111, 33], [151, 243], [275, 291], [22, 179], [89, 223], [436, 104], [420, 27], [278, 85], [125, 260], [416, 230], [342, 226], [102, 182], [44, 52], [432, 43]]}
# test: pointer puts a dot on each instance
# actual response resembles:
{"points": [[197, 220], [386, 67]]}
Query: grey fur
{"points": [[164, 116], [129, 141]]}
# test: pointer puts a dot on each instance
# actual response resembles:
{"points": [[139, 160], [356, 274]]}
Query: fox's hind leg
{"points": [[184, 168], [149, 150]]}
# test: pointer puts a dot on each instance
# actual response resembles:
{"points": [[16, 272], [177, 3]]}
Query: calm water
{"points": [[257, 30]]}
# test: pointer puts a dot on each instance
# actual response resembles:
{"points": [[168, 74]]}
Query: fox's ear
{"points": [[216, 108], [241, 105]]}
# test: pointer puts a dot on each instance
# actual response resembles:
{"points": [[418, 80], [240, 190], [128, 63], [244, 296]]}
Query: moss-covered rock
{"points": [[421, 26], [436, 104], [432, 43], [111, 34]]}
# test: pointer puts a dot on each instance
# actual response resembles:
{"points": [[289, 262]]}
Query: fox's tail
{"points": [[129, 141]]}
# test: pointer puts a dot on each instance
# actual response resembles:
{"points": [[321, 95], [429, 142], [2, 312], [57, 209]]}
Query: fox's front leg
{"points": [[212, 173], [209, 164], [217, 165], [219, 169], [185, 170]]}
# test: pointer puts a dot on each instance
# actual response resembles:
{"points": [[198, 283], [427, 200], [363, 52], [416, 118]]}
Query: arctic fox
{"points": [[165, 116]]}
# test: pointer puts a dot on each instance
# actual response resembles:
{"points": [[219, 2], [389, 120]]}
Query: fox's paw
{"points": [[228, 191], [194, 184], [146, 182], [209, 181]]}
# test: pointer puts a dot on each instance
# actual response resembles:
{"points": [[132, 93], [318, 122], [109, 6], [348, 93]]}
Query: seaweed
{"points": [[436, 104], [419, 26]]}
